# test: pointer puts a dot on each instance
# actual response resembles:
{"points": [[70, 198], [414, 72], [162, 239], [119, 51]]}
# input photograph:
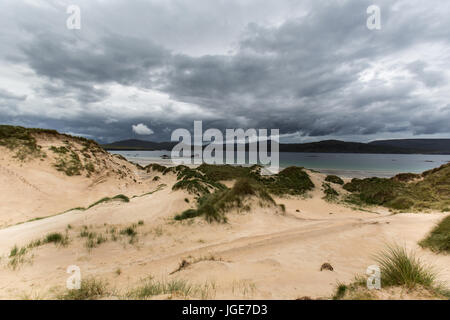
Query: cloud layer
{"points": [[311, 69]]}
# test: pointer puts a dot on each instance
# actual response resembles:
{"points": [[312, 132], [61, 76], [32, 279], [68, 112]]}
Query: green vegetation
{"points": [[59, 150], [214, 199], [92, 238], [398, 268], [155, 167], [290, 181], [229, 172], [70, 164], [90, 289], [330, 193], [214, 206], [129, 231], [89, 167], [439, 238], [18, 256], [206, 178], [119, 197], [341, 290], [432, 192], [195, 182], [56, 238], [22, 141], [179, 287], [334, 179], [401, 268], [406, 177]]}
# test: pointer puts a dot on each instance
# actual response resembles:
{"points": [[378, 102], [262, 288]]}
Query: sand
{"points": [[261, 254]]}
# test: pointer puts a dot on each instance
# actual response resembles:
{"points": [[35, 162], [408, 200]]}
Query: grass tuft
{"points": [[178, 287], [91, 289], [330, 193], [56, 238], [401, 268]]}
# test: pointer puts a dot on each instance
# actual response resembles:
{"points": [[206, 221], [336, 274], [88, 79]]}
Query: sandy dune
{"points": [[258, 254], [34, 189], [263, 253]]}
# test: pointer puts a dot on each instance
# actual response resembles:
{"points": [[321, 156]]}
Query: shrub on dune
{"points": [[214, 206], [334, 179], [438, 239]]}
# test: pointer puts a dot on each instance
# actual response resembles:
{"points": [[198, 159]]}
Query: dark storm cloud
{"points": [[317, 71]]}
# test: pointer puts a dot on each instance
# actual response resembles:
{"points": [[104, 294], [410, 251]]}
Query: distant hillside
{"points": [[134, 144], [428, 145], [409, 146], [336, 146]]}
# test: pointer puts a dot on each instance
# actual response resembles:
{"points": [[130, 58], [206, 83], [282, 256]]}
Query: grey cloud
{"points": [[302, 74], [7, 95]]}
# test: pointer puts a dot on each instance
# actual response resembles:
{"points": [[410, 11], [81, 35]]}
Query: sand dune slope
{"points": [[258, 254]]}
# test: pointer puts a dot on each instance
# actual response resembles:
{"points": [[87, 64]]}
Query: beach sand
{"points": [[260, 254]]}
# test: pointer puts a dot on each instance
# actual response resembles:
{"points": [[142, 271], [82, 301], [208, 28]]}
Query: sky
{"points": [[312, 69]]}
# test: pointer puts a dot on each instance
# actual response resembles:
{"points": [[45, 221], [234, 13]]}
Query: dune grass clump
{"points": [[90, 289], [92, 238], [70, 164], [228, 172], [188, 214], [341, 290], [398, 268], [120, 197], [195, 182], [214, 206], [152, 288], [56, 238], [401, 268], [334, 179], [438, 240], [179, 287], [329, 193], [155, 167], [16, 257], [193, 186], [129, 231], [59, 150], [290, 181]]}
